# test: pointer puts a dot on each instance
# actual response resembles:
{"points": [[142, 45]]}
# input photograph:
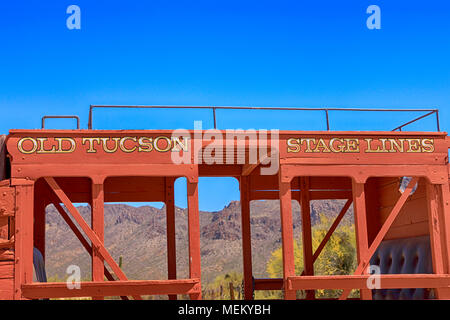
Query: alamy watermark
{"points": [[231, 146], [74, 20], [374, 279], [374, 20], [74, 279]]}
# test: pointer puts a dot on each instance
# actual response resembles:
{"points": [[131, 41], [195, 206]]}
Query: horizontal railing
{"points": [[39, 290], [326, 112]]}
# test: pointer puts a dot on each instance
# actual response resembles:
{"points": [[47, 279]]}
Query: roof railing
{"points": [[429, 112], [61, 117]]}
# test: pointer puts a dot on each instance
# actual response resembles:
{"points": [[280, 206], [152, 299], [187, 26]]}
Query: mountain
{"points": [[138, 235]]}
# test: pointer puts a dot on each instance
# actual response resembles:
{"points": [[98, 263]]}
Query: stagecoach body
{"points": [[366, 169]]}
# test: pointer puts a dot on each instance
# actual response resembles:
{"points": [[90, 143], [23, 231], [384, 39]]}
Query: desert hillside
{"points": [[138, 235]]}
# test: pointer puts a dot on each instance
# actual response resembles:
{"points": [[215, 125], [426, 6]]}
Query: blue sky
{"points": [[228, 53]]}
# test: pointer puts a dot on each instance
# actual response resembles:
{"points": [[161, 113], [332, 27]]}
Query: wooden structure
{"points": [[62, 167]]}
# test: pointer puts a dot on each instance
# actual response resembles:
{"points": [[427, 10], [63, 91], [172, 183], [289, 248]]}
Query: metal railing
{"points": [[61, 117], [326, 111]]}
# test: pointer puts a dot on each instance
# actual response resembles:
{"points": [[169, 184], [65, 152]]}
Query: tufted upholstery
{"points": [[408, 256]]}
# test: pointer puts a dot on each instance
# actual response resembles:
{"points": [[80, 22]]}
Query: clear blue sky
{"points": [[239, 53]]}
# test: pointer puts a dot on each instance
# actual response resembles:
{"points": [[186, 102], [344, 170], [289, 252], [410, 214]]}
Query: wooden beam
{"points": [[96, 288], [361, 230], [332, 229], [437, 230], [246, 238], [170, 231], [23, 270], [384, 229], [388, 281], [305, 203], [98, 227], [247, 169], [313, 194], [269, 284], [82, 239], [194, 235], [287, 236], [97, 244]]}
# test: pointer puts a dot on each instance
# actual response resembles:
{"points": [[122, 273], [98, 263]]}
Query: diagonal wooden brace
{"points": [[384, 229], [81, 238], [331, 231], [96, 243]]}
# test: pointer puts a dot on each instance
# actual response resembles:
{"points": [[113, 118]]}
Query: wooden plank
{"points": [[314, 194], [7, 289], [437, 236], [287, 236], [308, 261], [170, 231], [98, 227], [194, 235], [2, 157], [269, 284], [246, 238], [23, 272], [361, 230], [101, 288], [6, 270], [387, 281]]}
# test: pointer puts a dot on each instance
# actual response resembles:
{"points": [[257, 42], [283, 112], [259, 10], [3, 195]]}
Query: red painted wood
{"points": [[287, 236], [246, 238], [194, 235], [361, 231], [141, 176], [98, 226], [81, 238], [130, 287], [100, 248], [170, 231], [364, 259], [308, 260], [437, 237], [388, 281]]}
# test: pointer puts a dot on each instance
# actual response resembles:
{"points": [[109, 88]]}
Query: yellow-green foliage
{"points": [[338, 257], [219, 289]]}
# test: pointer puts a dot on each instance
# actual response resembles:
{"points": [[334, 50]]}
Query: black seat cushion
{"points": [[403, 256]]}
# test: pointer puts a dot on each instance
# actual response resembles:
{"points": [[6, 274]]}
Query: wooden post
{"points": [[194, 234], [170, 231], [23, 271], [445, 222], [306, 232], [287, 236], [246, 238], [438, 243], [231, 291], [97, 220], [362, 242], [40, 203]]}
